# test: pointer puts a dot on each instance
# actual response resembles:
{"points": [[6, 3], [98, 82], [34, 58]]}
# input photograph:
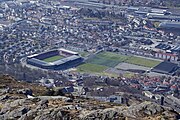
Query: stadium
{"points": [[60, 59]]}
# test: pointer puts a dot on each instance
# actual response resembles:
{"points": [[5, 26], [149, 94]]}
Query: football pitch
{"points": [[54, 58], [142, 61], [91, 68], [108, 59]]}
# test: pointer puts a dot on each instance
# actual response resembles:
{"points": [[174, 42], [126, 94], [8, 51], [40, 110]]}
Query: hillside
{"points": [[14, 105]]}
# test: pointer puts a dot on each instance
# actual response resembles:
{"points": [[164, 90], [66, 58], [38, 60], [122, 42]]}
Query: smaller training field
{"points": [[91, 68], [54, 58], [142, 61], [108, 59]]}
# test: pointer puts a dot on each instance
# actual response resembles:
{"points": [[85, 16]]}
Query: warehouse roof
{"points": [[170, 25], [165, 67]]}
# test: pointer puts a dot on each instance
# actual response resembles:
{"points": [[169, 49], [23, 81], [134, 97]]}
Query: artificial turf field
{"points": [[54, 58], [108, 59], [105, 60]]}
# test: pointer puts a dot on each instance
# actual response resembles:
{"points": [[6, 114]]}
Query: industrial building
{"points": [[163, 17], [170, 25], [70, 59], [166, 67]]}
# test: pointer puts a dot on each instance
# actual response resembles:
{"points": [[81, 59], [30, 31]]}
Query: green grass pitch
{"points": [[108, 59], [142, 61], [103, 61], [91, 68], [54, 58], [113, 56]]}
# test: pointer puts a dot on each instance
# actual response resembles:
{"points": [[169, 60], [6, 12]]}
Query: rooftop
{"points": [[165, 67]]}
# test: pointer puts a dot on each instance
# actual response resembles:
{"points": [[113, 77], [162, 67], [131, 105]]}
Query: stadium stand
{"points": [[47, 54]]}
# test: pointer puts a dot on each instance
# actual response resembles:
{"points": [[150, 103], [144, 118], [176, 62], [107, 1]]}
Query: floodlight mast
{"points": [[178, 60]]}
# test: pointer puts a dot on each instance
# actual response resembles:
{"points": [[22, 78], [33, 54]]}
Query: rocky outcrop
{"points": [[11, 86], [81, 109], [15, 105], [145, 110]]}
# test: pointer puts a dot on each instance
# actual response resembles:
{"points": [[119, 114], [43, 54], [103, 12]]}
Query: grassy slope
{"points": [[15, 85]]}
